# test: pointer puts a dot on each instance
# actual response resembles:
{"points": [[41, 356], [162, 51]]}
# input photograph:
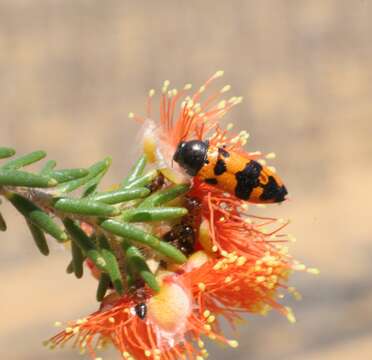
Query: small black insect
{"points": [[141, 310], [183, 235]]}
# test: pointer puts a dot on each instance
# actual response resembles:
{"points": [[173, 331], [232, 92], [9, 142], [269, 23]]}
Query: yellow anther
{"points": [[190, 104], [218, 74], [111, 320], [238, 100], [199, 357], [206, 313], [226, 88], [224, 253], [207, 327], [221, 104], [201, 344], [272, 169], [214, 248], [202, 89], [57, 324], [271, 155], [68, 330], [126, 354], [290, 316], [211, 319], [201, 286], [233, 343], [228, 279], [299, 267], [76, 329], [241, 260], [313, 271], [131, 115], [147, 353], [151, 92], [262, 162], [232, 258], [187, 87], [260, 279]]}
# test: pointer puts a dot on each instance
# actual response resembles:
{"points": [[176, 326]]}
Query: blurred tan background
{"points": [[71, 70]]}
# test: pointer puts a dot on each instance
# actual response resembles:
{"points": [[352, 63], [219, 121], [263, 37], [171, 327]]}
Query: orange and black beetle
{"points": [[246, 179]]}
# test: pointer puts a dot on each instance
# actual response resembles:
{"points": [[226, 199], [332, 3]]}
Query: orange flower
{"points": [[186, 309], [243, 265]]}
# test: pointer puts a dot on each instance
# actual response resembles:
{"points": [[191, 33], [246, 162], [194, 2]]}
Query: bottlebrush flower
{"points": [[237, 264]]}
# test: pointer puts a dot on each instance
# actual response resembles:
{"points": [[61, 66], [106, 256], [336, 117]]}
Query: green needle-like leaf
{"points": [[112, 266], [121, 195], [103, 285], [37, 216], [70, 267], [137, 265], [39, 238], [91, 186], [48, 167], [153, 214], [86, 244], [136, 171], [24, 160], [21, 178], [143, 180], [6, 152], [94, 170], [85, 207], [77, 260], [68, 174], [163, 196], [133, 233], [2, 223]]}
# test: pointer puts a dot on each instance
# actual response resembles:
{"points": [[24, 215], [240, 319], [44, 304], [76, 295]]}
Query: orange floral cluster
{"points": [[240, 262]]}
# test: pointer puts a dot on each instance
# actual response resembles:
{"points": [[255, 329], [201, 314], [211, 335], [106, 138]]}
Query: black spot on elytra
{"points": [[211, 181], [220, 167], [272, 191], [223, 152], [247, 179]]}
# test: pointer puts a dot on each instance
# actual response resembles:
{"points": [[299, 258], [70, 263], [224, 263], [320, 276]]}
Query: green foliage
{"points": [[113, 219]]}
